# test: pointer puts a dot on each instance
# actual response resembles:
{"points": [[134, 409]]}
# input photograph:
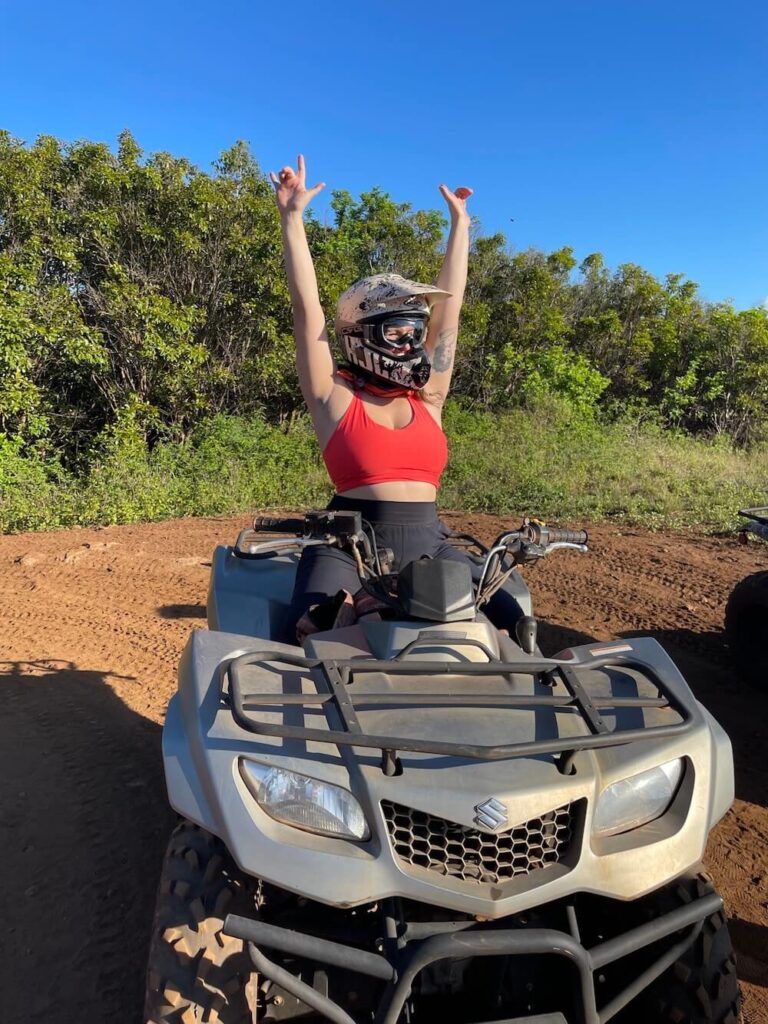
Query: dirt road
{"points": [[91, 626]]}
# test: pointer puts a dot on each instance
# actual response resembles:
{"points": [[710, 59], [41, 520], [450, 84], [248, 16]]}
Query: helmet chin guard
{"points": [[412, 373]]}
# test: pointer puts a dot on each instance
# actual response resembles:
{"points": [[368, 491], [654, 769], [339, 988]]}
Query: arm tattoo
{"points": [[442, 357]]}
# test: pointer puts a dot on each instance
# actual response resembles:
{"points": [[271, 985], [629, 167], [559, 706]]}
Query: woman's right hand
{"points": [[291, 192]]}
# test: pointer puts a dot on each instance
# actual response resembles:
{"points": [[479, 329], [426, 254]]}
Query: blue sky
{"points": [[636, 129]]}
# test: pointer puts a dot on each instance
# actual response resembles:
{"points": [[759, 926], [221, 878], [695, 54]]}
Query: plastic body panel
{"points": [[202, 745], [250, 597]]}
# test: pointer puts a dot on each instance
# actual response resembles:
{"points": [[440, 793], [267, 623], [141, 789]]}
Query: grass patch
{"points": [[549, 462], [553, 463]]}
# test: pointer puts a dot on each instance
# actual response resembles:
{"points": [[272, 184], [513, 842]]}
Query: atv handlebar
{"points": [[532, 541], [520, 547], [535, 538], [267, 525], [567, 537]]}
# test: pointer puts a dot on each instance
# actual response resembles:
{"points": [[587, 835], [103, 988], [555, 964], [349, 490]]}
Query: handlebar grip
{"points": [[567, 536], [268, 525]]}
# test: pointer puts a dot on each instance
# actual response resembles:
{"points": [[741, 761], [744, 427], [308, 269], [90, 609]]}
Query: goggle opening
{"points": [[399, 336]]}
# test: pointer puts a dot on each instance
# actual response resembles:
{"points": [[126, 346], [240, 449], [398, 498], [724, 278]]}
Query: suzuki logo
{"points": [[491, 813]]}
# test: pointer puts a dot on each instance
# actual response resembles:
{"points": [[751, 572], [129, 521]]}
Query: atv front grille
{"points": [[425, 841]]}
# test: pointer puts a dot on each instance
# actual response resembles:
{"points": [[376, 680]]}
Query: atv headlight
{"points": [[635, 801], [304, 802]]}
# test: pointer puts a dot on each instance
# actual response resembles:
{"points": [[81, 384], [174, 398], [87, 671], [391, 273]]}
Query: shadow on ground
{"points": [[751, 944], [83, 824], [181, 611]]}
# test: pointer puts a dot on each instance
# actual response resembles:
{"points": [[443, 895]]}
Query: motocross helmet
{"points": [[381, 322]]}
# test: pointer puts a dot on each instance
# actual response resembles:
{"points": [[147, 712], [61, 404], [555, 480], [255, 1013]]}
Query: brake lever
{"points": [[525, 552], [247, 548]]}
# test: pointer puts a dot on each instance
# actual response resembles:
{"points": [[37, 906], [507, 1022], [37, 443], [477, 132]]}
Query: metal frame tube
{"points": [[314, 999], [479, 753], [309, 946], [650, 974], [333, 689], [461, 944], [493, 943], [645, 934], [447, 700]]}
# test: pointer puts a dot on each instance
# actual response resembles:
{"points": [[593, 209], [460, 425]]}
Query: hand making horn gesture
{"points": [[291, 191], [457, 202]]}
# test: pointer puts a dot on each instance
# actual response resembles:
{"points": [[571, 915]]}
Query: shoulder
{"points": [[432, 402], [326, 415], [342, 396]]}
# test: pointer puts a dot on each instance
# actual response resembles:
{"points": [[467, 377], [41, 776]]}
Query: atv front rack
{"points": [[334, 679]]}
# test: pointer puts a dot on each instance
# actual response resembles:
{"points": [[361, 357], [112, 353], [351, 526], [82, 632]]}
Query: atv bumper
{"points": [[466, 939]]}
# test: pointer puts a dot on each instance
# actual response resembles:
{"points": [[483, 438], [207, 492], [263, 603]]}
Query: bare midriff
{"points": [[394, 490]]}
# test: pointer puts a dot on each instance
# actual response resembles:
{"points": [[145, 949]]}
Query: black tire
{"points": [[195, 972], [746, 625], [701, 987]]}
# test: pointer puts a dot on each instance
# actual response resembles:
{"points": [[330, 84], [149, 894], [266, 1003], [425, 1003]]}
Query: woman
{"points": [[377, 417]]}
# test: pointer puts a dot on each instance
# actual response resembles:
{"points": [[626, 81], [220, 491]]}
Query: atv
{"points": [[422, 818], [746, 613]]}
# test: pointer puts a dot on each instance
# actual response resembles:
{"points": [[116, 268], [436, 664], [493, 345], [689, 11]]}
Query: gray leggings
{"points": [[411, 529]]}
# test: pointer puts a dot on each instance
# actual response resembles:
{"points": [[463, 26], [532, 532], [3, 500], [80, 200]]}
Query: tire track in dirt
{"points": [[92, 623]]}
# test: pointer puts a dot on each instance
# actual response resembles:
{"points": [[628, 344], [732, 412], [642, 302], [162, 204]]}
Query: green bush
{"points": [[548, 461], [139, 286], [555, 463], [33, 490]]}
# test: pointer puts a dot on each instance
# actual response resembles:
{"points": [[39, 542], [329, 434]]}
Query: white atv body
{"points": [[477, 775]]}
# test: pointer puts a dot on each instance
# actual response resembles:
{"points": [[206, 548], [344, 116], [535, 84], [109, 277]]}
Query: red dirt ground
{"points": [[91, 626]]}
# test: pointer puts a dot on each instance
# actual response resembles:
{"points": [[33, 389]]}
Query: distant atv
{"points": [[746, 614]]}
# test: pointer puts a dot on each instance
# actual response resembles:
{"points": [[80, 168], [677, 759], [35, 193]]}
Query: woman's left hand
{"points": [[457, 202]]}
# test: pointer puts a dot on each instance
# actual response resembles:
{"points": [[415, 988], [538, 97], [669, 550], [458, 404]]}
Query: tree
{"points": [[140, 293]]}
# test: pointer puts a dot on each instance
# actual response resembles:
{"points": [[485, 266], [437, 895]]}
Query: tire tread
{"points": [[196, 974], [701, 987]]}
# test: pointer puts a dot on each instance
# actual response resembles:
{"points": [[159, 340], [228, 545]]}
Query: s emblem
{"points": [[491, 813]]}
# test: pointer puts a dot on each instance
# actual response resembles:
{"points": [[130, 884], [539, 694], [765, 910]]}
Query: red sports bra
{"points": [[362, 452]]}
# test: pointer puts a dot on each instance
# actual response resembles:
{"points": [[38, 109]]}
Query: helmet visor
{"points": [[398, 336]]}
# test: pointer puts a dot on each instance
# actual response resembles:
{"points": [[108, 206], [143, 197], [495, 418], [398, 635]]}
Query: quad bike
{"points": [[746, 613], [420, 818]]}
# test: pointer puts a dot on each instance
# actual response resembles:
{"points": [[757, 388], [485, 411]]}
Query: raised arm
{"points": [[444, 323], [314, 359]]}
